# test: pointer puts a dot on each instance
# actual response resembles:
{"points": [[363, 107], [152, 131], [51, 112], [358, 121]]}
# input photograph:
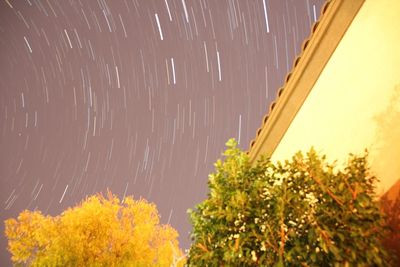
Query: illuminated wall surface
{"points": [[355, 103]]}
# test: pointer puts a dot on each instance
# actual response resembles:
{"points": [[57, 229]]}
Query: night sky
{"points": [[138, 96]]}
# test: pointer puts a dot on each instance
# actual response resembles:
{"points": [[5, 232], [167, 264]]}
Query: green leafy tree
{"points": [[98, 232], [303, 212]]}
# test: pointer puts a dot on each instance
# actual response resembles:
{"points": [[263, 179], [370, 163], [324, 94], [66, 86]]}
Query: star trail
{"points": [[138, 96]]}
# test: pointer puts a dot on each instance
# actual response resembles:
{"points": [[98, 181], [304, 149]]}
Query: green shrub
{"points": [[303, 212]]}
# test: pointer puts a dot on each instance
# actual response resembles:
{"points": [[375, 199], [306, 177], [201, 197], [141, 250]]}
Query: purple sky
{"points": [[138, 96]]}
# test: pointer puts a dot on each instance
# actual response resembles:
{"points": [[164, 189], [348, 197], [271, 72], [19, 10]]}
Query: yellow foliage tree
{"points": [[98, 232]]}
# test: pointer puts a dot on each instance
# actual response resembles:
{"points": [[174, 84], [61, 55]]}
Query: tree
{"points": [[303, 212], [98, 232]]}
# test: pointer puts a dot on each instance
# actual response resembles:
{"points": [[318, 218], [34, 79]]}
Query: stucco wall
{"points": [[355, 103]]}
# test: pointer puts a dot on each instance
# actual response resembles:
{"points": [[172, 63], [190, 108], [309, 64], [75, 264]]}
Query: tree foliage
{"points": [[98, 232], [303, 212]]}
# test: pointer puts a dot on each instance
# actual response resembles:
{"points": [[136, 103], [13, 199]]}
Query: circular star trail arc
{"points": [[135, 96]]}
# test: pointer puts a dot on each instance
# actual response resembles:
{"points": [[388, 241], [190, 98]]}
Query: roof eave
{"points": [[327, 33]]}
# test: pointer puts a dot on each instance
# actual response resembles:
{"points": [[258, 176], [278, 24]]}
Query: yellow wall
{"points": [[354, 104]]}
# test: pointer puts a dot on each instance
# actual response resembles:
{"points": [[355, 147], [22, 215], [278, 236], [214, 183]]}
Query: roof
{"points": [[327, 32]]}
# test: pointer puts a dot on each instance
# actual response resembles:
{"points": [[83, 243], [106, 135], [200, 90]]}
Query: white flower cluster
{"points": [[297, 223], [263, 248], [243, 227], [239, 221], [266, 194], [285, 228], [297, 175], [269, 171], [233, 236], [237, 231], [279, 179], [253, 255], [311, 199]]}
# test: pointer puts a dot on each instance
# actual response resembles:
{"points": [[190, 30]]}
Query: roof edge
{"points": [[336, 17]]}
